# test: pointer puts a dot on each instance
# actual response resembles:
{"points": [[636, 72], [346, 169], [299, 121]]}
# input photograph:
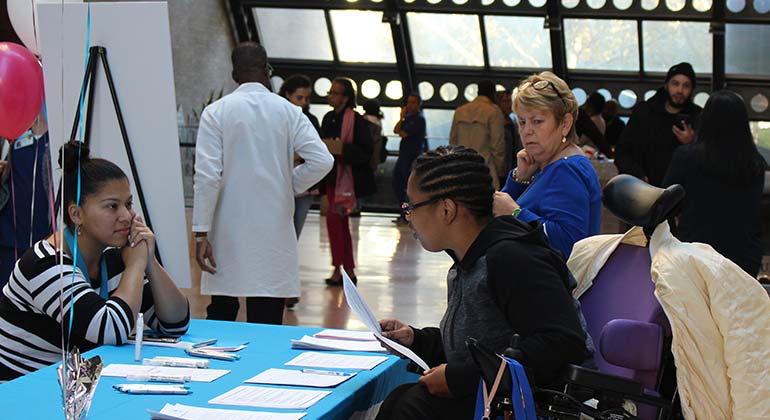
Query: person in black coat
{"points": [[357, 154], [658, 126], [723, 175], [615, 125]]}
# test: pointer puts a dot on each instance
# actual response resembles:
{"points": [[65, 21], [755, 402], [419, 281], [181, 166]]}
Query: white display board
{"points": [[137, 39]]}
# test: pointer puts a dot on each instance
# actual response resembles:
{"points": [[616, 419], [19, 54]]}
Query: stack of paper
{"points": [[313, 343], [258, 396], [196, 375], [186, 412], [336, 361], [317, 379], [346, 335]]}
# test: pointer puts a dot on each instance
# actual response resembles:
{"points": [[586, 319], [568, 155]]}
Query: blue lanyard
{"points": [[81, 263]]}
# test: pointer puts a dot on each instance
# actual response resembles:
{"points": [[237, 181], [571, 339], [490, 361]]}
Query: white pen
{"points": [[212, 354], [159, 378], [204, 343], [139, 337], [177, 362], [151, 389], [326, 372]]}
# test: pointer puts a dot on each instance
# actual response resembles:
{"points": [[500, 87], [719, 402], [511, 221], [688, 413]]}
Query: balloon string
{"points": [[34, 185], [59, 241], [34, 27], [13, 207], [80, 148]]}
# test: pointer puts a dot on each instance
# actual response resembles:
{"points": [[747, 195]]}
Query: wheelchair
{"points": [[635, 377], [717, 311]]}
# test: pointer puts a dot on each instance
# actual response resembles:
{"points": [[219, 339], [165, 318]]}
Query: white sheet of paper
{"points": [[312, 343], [196, 375], [275, 376], [187, 412], [259, 396], [359, 306], [346, 335], [336, 361]]}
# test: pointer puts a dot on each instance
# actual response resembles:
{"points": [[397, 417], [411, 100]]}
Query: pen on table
{"points": [[326, 372], [204, 343], [159, 378], [177, 362], [139, 337], [152, 389]]}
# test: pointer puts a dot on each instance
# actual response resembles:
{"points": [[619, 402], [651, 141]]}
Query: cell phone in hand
{"points": [[681, 119]]}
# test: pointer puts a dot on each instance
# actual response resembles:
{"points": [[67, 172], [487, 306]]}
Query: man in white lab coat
{"points": [[244, 185]]}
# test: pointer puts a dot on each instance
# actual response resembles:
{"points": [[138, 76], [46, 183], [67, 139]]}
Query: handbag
{"points": [[344, 189]]}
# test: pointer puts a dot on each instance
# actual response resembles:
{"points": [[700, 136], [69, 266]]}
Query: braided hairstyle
{"points": [[458, 173]]}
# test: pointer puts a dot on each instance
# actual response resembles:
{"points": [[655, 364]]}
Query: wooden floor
{"points": [[396, 277]]}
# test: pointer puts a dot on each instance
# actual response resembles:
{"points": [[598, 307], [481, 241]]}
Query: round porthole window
{"points": [[448, 92]]}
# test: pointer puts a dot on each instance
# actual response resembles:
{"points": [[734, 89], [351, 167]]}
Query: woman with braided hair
{"points": [[505, 280]]}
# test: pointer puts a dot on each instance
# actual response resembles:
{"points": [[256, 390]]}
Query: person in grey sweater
{"points": [[505, 280]]}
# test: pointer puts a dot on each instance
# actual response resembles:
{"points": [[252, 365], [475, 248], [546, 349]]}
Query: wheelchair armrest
{"points": [[599, 381], [632, 344]]}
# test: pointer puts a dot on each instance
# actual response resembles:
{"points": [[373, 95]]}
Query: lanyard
{"points": [[81, 263], [488, 396], [521, 393]]}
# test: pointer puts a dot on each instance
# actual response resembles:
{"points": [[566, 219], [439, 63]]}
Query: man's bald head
{"points": [[250, 63]]}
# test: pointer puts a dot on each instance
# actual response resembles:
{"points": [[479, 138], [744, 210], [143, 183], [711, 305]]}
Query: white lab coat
{"points": [[245, 182]]}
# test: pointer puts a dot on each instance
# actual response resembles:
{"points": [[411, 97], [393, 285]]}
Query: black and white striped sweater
{"points": [[32, 316]]}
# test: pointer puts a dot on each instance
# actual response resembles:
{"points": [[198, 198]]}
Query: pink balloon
{"points": [[21, 89]]}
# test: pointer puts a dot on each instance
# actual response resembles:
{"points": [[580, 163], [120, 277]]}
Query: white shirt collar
{"points": [[252, 87]]}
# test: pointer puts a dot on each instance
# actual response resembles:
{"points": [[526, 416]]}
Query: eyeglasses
{"points": [[407, 208], [542, 84], [269, 70], [331, 92]]}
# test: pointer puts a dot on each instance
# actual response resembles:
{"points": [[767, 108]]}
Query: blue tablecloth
{"points": [[38, 396]]}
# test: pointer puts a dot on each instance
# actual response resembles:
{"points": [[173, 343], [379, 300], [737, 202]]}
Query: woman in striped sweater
{"points": [[116, 276]]}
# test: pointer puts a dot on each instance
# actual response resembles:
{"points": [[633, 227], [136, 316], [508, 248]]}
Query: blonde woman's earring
{"points": [[78, 230], [564, 139]]}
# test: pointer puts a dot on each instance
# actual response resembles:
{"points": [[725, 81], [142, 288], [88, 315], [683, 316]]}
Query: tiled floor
{"points": [[396, 276]]}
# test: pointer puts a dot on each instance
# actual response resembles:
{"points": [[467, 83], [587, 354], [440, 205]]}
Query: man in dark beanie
{"points": [[658, 126]]}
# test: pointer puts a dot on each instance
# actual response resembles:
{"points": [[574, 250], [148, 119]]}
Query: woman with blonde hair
{"points": [[553, 183]]}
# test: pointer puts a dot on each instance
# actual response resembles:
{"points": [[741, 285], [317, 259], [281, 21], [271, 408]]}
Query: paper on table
{"points": [[258, 396], [196, 375], [358, 305], [335, 361], [312, 343], [299, 378], [346, 335], [187, 412]]}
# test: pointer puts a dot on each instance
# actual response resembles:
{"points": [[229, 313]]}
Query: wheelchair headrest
{"points": [[640, 204]]}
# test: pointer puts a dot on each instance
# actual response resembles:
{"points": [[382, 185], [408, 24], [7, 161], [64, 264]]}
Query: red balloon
{"points": [[21, 89]]}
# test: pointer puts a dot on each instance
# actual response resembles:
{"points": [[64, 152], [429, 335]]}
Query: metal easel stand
{"points": [[89, 81]]}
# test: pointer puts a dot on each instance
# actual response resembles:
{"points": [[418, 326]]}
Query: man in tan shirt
{"points": [[479, 126]]}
